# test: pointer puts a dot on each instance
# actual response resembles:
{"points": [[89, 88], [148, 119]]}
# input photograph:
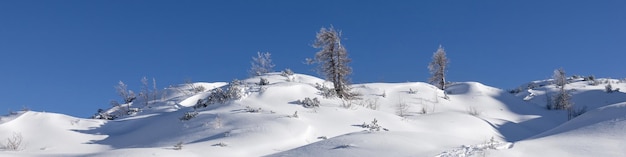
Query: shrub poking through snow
{"points": [[217, 122], [200, 104], [373, 126], [310, 103], [411, 91], [295, 115], [609, 88], [235, 90], [189, 116], [286, 73], [573, 113], [178, 146], [263, 82], [14, 143], [221, 144], [253, 110], [102, 114], [473, 111], [325, 91], [402, 108], [217, 96], [476, 150]]}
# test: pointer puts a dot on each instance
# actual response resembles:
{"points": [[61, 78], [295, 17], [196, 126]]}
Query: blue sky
{"points": [[66, 56]]}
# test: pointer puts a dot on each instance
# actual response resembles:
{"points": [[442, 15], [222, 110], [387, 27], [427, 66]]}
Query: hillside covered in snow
{"points": [[388, 119]]}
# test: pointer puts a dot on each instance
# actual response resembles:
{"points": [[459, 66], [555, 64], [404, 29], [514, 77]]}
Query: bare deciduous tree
{"points": [[146, 93], [559, 77], [261, 64], [438, 67], [333, 60], [122, 90], [14, 143], [562, 98]]}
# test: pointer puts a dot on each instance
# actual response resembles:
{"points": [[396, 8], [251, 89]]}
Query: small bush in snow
{"points": [[532, 85], [609, 88], [402, 108], [235, 90], [197, 89], [253, 110], [369, 103], [591, 80], [295, 115], [178, 146], [189, 116], [424, 110], [373, 126], [217, 122], [286, 73], [310, 103], [573, 113], [473, 111], [221, 144], [14, 143], [516, 90], [217, 96], [103, 115], [322, 137], [263, 82], [325, 91]]}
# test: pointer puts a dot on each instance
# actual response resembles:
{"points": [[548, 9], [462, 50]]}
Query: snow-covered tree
{"points": [[146, 93], [333, 60], [438, 67], [562, 100], [261, 64], [235, 90], [122, 90], [559, 77]]}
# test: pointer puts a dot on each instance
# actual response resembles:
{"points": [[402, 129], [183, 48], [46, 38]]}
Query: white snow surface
{"points": [[475, 120]]}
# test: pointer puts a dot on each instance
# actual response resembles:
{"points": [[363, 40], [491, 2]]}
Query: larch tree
{"points": [[261, 64], [333, 60], [559, 77], [562, 99], [438, 67]]}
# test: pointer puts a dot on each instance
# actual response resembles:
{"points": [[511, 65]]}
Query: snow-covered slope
{"points": [[416, 119]]}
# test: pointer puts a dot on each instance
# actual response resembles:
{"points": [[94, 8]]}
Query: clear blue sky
{"points": [[66, 56]]}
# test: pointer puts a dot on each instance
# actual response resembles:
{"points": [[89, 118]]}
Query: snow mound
{"points": [[416, 119]]}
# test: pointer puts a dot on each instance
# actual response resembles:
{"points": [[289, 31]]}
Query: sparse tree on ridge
{"points": [[333, 60], [122, 90], [261, 64], [562, 98], [559, 77], [438, 67], [146, 93]]}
